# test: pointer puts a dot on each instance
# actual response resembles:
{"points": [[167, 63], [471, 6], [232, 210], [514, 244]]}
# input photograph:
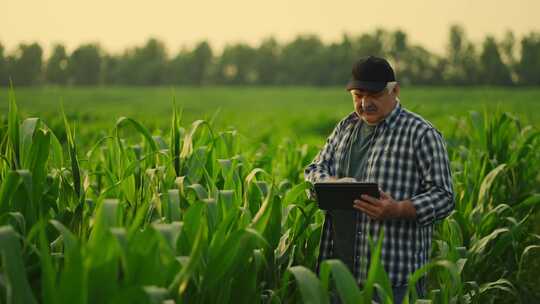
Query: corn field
{"points": [[196, 215]]}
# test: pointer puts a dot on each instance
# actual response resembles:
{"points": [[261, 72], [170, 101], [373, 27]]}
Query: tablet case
{"points": [[340, 196]]}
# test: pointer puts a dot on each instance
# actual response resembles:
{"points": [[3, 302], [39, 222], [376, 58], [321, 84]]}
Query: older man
{"points": [[405, 155]]}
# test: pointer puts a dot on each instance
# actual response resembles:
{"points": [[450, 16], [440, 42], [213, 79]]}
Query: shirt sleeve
{"points": [[437, 198], [322, 166]]}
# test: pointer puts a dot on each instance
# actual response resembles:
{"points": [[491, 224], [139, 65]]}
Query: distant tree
{"points": [[236, 65], [144, 65], [371, 44], [25, 66], [302, 62], [507, 48], [120, 69], [493, 70], [337, 60], [84, 65], [178, 68], [463, 67], [398, 49], [149, 63], [200, 63], [267, 62], [110, 70], [419, 67], [508, 54], [191, 67], [528, 68], [305, 60], [56, 69]]}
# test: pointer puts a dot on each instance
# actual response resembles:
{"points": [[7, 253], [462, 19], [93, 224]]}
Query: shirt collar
{"points": [[392, 118]]}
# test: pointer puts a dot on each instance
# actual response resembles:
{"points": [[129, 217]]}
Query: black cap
{"points": [[371, 74]]}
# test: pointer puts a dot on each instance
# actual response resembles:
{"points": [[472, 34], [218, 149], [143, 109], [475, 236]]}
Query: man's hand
{"points": [[385, 208], [334, 179]]}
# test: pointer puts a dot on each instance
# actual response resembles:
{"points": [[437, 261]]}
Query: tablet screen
{"points": [[335, 195]]}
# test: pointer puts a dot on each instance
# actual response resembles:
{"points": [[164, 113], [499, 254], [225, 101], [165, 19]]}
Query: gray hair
{"points": [[390, 86]]}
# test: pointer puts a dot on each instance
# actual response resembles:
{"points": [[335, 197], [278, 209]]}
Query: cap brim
{"points": [[369, 86]]}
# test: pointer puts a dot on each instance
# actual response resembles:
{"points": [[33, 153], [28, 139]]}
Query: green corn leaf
{"points": [[27, 130], [169, 232], [106, 217], [189, 145], [446, 265], [198, 190], [56, 156], [229, 259], [174, 205], [48, 273], [502, 285], [72, 149], [377, 276], [73, 286], [16, 285], [13, 130], [37, 161], [345, 282], [309, 285], [187, 271], [485, 187], [176, 138], [156, 294], [530, 202], [16, 220], [297, 192], [7, 191], [70, 240], [225, 202], [141, 129]]}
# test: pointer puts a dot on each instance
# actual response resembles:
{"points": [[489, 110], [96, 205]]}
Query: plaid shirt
{"points": [[408, 160]]}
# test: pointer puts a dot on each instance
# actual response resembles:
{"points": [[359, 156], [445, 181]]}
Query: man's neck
{"points": [[371, 124]]}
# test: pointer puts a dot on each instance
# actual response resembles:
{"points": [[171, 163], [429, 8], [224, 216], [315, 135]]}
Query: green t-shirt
{"points": [[344, 220], [358, 153]]}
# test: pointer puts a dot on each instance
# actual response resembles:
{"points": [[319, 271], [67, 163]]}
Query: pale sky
{"points": [[118, 24]]}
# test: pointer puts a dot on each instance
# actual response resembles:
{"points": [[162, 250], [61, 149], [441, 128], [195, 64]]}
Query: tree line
{"points": [[306, 60]]}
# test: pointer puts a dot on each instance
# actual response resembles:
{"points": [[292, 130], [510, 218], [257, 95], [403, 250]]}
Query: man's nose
{"points": [[366, 100]]}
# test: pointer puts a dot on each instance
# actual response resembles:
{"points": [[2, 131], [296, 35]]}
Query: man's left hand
{"points": [[379, 209]]}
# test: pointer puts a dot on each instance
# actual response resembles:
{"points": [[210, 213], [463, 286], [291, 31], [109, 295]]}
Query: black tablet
{"points": [[332, 195]]}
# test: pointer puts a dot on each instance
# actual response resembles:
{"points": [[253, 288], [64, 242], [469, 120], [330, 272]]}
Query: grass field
{"points": [[305, 113]]}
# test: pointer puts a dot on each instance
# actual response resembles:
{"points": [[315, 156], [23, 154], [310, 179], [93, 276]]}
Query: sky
{"points": [[120, 24]]}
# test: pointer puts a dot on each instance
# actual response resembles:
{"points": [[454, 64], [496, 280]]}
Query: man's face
{"points": [[376, 105]]}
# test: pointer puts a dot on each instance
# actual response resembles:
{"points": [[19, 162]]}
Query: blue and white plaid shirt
{"points": [[408, 160]]}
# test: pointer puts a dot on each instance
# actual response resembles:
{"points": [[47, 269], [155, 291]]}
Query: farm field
{"points": [[304, 113], [125, 200]]}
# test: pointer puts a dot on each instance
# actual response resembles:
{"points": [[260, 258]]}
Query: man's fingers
{"points": [[369, 199], [384, 195], [372, 215], [365, 206], [363, 209]]}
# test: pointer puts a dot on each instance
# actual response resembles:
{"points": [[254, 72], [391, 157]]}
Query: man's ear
{"points": [[396, 89]]}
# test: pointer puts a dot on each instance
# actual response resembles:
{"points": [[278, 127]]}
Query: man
{"points": [[406, 156]]}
